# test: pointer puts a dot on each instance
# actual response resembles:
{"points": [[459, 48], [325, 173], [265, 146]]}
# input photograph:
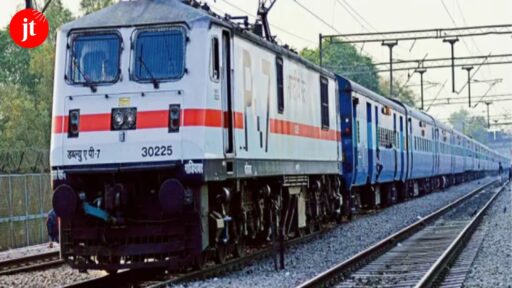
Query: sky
{"points": [[294, 25]]}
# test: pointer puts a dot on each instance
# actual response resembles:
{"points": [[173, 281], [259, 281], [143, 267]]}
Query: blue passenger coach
{"points": [[393, 151], [374, 140]]}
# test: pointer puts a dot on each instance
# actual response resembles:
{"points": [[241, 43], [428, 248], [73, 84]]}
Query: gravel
{"points": [[493, 264], [27, 251], [307, 260], [55, 277]]}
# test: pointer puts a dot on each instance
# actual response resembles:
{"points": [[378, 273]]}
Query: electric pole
{"points": [[488, 118], [468, 69], [421, 71], [452, 42], [390, 45]]}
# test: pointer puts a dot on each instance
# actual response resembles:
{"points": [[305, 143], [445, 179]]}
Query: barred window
{"points": [[386, 138], [358, 132]]}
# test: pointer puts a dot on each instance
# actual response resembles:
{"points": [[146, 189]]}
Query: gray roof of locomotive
{"points": [[140, 12], [161, 12]]}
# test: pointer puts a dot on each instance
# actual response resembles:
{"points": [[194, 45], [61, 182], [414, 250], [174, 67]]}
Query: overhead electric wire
{"points": [[486, 92], [437, 95], [466, 102], [474, 73], [491, 97], [317, 17], [271, 25], [357, 13], [454, 23], [352, 15], [466, 24]]}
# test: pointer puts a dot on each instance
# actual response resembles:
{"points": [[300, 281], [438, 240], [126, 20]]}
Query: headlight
{"points": [[130, 118], [124, 118], [117, 119]]}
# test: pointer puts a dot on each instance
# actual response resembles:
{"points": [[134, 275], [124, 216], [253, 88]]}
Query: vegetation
{"points": [[89, 6], [472, 126], [344, 59], [26, 86]]}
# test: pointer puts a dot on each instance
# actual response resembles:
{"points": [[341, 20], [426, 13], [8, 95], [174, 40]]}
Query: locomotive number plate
{"points": [[156, 151]]}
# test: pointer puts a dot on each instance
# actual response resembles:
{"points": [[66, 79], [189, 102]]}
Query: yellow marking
{"points": [[124, 102]]}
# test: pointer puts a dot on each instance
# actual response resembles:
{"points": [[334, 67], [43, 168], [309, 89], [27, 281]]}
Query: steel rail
{"points": [[340, 271], [443, 263], [30, 263], [149, 275]]}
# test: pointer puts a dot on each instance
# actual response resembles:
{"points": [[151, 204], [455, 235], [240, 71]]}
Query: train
{"points": [[180, 136]]}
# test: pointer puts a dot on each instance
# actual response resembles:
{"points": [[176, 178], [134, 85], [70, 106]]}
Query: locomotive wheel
{"points": [[239, 239], [220, 254], [199, 262], [239, 248], [311, 227]]}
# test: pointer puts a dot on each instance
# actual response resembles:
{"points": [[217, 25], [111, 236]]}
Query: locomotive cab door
{"points": [[227, 94]]}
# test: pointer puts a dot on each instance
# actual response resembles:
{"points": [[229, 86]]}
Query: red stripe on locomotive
{"points": [[195, 117]]}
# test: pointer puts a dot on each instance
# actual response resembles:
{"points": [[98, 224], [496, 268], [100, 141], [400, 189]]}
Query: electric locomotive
{"points": [[178, 136]]}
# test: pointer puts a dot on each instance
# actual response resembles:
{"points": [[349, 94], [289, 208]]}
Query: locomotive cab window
{"points": [[94, 58], [324, 102], [159, 55], [280, 86], [215, 61]]}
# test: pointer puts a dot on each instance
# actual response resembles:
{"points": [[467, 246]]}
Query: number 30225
{"points": [[156, 151]]}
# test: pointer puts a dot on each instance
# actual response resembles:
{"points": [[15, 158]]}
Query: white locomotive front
{"points": [[176, 133]]}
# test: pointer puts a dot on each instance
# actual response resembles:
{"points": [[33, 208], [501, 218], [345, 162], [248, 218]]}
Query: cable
{"points": [[454, 24], [359, 15], [437, 95], [271, 25], [487, 92], [466, 24], [352, 15], [317, 17]]}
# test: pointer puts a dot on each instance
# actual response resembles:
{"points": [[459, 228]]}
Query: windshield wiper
{"points": [[88, 82], [156, 85]]}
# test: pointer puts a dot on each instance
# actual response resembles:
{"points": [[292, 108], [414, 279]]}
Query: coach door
{"points": [[401, 147], [369, 138], [396, 146], [227, 93]]}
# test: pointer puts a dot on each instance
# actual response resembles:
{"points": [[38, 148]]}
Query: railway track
{"points": [[155, 278], [30, 263], [419, 255]]}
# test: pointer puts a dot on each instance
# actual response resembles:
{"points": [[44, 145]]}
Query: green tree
{"points": [[19, 120], [57, 15], [89, 6], [14, 62], [341, 58], [403, 93], [26, 86], [344, 59], [472, 126]]}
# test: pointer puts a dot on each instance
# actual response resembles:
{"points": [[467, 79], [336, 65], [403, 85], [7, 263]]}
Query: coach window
{"points": [[324, 102], [215, 66], [280, 86]]}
